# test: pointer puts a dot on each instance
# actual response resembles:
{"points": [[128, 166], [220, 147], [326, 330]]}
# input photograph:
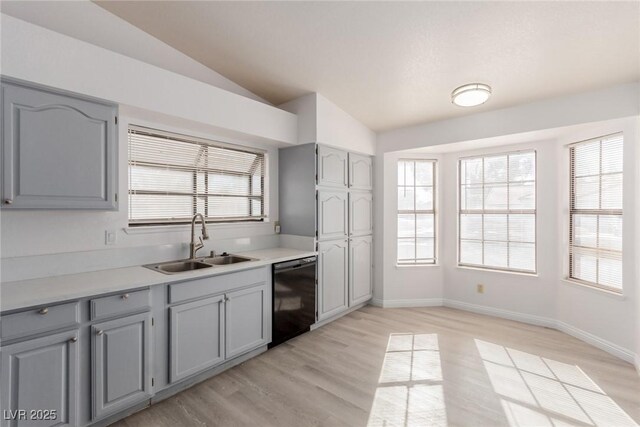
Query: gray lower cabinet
{"points": [[196, 340], [333, 277], [121, 363], [40, 377], [59, 150], [247, 320], [360, 270]]}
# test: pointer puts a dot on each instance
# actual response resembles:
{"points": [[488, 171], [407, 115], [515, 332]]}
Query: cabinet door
{"points": [[121, 363], [360, 270], [360, 213], [59, 151], [40, 374], [332, 214], [360, 172], [332, 278], [247, 318], [196, 337], [332, 167]]}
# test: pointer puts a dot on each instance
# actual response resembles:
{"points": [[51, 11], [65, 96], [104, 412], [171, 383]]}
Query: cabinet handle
{"points": [[8, 201], [43, 310], [100, 332], [74, 339], [125, 296]]}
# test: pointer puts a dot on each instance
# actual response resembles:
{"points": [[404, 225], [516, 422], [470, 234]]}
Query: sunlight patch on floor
{"points": [[537, 391], [410, 389]]}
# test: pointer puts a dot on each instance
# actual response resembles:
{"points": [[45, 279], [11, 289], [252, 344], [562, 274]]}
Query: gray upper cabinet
{"points": [[196, 336], [59, 150], [360, 270], [332, 167], [332, 214], [247, 320], [41, 374], [121, 363], [333, 277], [360, 213], [360, 172]]}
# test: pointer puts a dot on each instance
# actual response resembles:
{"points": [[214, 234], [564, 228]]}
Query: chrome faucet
{"points": [[193, 246]]}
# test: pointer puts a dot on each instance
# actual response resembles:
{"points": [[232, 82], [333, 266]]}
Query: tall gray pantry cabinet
{"points": [[326, 193]]}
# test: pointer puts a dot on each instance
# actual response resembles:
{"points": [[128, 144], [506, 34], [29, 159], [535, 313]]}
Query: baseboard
{"points": [[339, 315], [498, 312], [596, 341], [400, 303], [376, 302]]}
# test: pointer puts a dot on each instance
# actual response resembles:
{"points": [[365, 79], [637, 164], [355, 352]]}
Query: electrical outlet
{"points": [[110, 237], [276, 227], [480, 288]]}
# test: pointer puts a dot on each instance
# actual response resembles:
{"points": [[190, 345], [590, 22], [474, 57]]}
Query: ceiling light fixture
{"points": [[470, 95]]}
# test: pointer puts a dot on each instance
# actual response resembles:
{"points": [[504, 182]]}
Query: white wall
{"points": [[319, 120], [39, 55], [86, 21]]}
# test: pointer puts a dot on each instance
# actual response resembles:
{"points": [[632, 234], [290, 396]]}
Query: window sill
{"points": [[416, 265], [181, 228], [494, 270], [602, 291]]}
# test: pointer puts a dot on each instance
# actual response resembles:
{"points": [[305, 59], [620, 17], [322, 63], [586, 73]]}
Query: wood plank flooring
{"points": [[414, 366]]}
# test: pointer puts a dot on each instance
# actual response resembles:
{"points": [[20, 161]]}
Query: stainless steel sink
{"points": [[179, 266], [225, 259], [175, 267]]}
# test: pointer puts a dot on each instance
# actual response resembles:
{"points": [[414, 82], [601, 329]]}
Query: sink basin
{"points": [[179, 266], [225, 259]]}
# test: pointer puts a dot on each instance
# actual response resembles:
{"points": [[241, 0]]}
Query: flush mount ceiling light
{"points": [[470, 95]]}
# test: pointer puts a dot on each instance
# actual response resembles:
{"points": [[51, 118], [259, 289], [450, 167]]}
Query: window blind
{"points": [[497, 212], [416, 212], [595, 241], [172, 177]]}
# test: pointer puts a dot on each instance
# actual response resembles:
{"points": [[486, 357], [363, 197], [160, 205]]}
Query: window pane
{"points": [[471, 197], [522, 228], [424, 173], [424, 198], [495, 196], [587, 192], [495, 227], [425, 248], [610, 272], [424, 225], [495, 169], [470, 252], [495, 254], [406, 225], [401, 172], [612, 155], [406, 249], [585, 230], [143, 178], [610, 232], [406, 197], [587, 159], [409, 171], [522, 196], [471, 171], [160, 207], [522, 167], [471, 226], [612, 191], [522, 256], [584, 267]]}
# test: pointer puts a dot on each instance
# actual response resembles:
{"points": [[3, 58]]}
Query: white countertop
{"points": [[48, 290]]}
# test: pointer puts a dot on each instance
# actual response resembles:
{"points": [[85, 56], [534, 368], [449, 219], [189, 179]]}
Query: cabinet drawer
{"points": [[40, 320], [198, 288], [115, 305]]}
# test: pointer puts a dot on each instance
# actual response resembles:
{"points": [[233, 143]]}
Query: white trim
{"points": [[637, 363], [321, 323], [595, 341], [414, 302], [376, 302], [498, 312]]}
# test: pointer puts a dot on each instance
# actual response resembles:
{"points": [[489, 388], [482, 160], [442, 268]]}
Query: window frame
{"points": [[506, 212], [203, 142], [415, 261], [596, 212]]}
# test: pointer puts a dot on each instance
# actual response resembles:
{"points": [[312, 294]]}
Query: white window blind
{"points": [[172, 177], [497, 212], [416, 212], [595, 241]]}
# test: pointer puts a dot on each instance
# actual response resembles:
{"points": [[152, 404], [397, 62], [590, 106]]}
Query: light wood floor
{"points": [[414, 366]]}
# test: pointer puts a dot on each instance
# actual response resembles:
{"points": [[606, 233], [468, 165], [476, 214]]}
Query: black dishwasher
{"points": [[294, 299]]}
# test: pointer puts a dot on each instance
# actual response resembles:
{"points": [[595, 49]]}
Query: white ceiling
{"points": [[392, 64]]}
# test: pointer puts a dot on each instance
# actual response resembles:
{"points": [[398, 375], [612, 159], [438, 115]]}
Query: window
{"points": [[416, 212], [497, 216], [595, 224], [172, 177]]}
